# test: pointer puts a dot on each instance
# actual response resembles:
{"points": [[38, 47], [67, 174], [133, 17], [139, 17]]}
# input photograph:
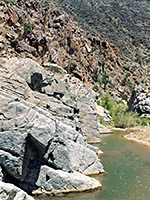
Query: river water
{"points": [[128, 171]]}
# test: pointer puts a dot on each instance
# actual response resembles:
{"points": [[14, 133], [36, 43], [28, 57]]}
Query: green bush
{"points": [[98, 102], [54, 69], [144, 121], [100, 80], [121, 117], [130, 86], [126, 67], [7, 1], [95, 87], [102, 121], [125, 119], [108, 103], [71, 67], [28, 28], [147, 60], [124, 96], [123, 83], [112, 75]]}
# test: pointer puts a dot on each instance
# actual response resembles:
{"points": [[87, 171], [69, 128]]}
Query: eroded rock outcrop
{"points": [[10, 192], [65, 97], [41, 128], [140, 101], [57, 179]]}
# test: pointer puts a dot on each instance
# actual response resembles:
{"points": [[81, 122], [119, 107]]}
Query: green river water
{"points": [[128, 171]]}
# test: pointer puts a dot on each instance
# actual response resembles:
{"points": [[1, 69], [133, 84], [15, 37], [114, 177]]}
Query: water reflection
{"points": [[128, 167]]}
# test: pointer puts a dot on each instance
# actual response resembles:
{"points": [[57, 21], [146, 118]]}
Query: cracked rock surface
{"points": [[42, 136], [10, 192], [140, 101]]}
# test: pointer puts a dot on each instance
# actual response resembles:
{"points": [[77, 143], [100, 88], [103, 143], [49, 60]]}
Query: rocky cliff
{"points": [[42, 31], [140, 101], [125, 24], [45, 118]]}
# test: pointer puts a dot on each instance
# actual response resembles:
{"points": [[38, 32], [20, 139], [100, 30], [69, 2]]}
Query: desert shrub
{"points": [[121, 117], [28, 27], [95, 74], [123, 82], [95, 87], [144, 121], [108, 103], [71, 67], [54, 69], [112, 75], [105, 79], [111, 85], [100, 80], [147, 60], [125, 119], [124, 96], [36, 22], [102, 121], [98, 102], [126, 67], [7, 1], [130, 86]]}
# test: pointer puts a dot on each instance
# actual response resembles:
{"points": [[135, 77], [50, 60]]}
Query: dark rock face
{"points": [[42, 132], [140, 101]]}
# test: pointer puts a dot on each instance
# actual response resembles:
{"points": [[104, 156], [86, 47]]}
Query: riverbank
{"points": [[139, 134]]}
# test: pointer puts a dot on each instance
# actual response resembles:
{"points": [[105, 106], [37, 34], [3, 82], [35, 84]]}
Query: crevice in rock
{"points": [[51, 157], [76, 111], [78, 129], [15, 154], [71, 117], [39, 147], [48, 107], [77, 76], [36, 82], [47, 178], [58, 95], [89, 165], [32, 160], [2, 114], [26, 186]]}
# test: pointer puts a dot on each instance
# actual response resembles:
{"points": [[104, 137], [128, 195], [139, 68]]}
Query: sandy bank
{"points": [[139, 134]]}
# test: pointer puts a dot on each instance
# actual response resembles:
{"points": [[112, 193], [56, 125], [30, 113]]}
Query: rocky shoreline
{"points": [[47, 120], [140, 135]]}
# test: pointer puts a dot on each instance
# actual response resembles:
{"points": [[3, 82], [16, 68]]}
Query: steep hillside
{"points": [[125, 23], [44, 32]]}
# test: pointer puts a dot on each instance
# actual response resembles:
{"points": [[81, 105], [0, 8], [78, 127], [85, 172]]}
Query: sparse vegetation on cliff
{"points": [[48, 34]]}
